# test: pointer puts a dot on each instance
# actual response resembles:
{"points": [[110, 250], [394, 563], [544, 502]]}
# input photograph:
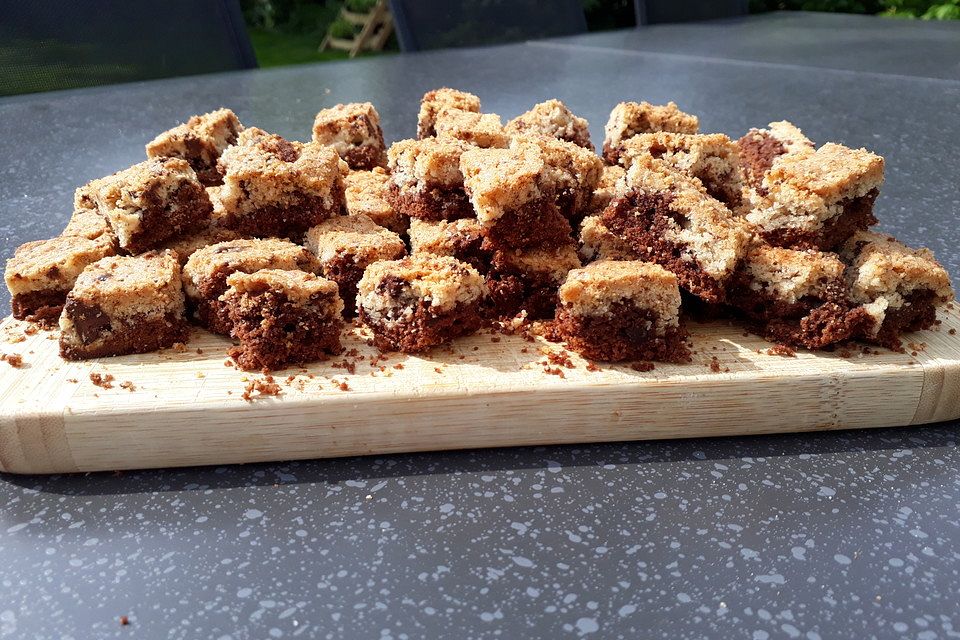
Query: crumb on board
{"points": [[398, 366], [124, 621], [262, 388], [715, 364], [593, 367], [73, 380], [783, 350], [642, 366], [104, 380], [179, 347], [438, 369], [128, 385], [15, 360], [553, 371]]}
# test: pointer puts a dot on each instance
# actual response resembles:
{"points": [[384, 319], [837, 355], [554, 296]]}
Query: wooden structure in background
{"points": [[375, 29]]}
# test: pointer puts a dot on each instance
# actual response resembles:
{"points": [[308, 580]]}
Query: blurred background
{"points": [[62, 44]]}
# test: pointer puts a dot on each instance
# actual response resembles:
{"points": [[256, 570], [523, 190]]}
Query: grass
{"points": [[275, 49]]}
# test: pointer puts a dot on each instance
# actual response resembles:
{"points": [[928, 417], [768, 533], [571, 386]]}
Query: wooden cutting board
{"points": [[187, 407]]}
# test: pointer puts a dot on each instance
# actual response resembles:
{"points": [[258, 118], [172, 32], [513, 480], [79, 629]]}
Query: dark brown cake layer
{"points": [[857, 215], [919, 312], [431, 204], [513, 291], [42, 307], [758, 150], [286, 221], [621, 335], [762, 306], [536, 224], [611, 154], [188, 209], [275, 333], [365, 157], [346, 273], [138, 335], [642, 220], [424, 328], [825, 325]]}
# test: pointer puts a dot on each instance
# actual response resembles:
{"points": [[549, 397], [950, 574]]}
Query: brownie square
{"points": [[346, 245], [478, 129], [419, 302], [817, 200], [513, 192], [629, 310], [205, 273], [41, 273], [124, 305], [899, 287], [152, 202], [796, 297], [282, 318], [426, 181], [527, 281], [759, 148], [444, 98], [668, 218], [554, 120], [597, 242], [272, 187], [711, 158], [368, 194], [632, 118], [461, 239], [199, 141], [575, 173], [354, 131]]}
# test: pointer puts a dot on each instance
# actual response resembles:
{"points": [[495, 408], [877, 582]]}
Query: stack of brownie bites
{"points": [[476, 221]]}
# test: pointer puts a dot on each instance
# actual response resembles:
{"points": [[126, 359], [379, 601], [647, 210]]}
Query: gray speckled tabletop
{"points": [[845, 534]]}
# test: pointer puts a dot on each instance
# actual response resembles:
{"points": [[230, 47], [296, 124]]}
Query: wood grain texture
{"points": [[483, 391]]}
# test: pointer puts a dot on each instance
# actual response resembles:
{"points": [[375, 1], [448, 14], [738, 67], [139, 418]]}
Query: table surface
{"points": [[846, 534]]}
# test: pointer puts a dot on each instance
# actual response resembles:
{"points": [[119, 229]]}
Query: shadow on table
{"points": [[484, 461]]}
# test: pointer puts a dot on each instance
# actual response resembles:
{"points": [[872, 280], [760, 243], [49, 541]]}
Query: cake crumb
{"points": [[200, 374], [124, 621], [199, 351], [128, 385], [593, 367], [263, 388], [12, 359], [179, 347], [104, 381], [343, 386], [952, 332], [715, 364], [641, 366], [398, 366], [553, 371], [783, 350], [72, 380], [438, 369]]}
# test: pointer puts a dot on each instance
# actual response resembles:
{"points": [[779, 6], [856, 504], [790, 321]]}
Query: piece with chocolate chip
{"points": [[668, 218], [272, 187], [419, 302], [528, 280], [152, 202], [41, 273], [597, 242], [461, 239], [817, 200], [346, 245], [632, 118], [796, 297], [625, 310], [482, 130], [199, 141], [282, 318], [514, 195], [425, 179], [205, 273], [710, 158], [353, 130], [554, 120], [89, 224], [124, 305], [760, 147], [576, 173], [368, 195], [439, 99], [901, 288]]}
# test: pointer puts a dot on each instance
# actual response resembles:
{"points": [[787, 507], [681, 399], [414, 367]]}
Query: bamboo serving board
{"points": [[187, 407]]}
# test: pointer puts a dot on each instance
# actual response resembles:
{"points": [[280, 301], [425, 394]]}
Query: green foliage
{"points": [[361, 6], [926, 9], [340, 28]]}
